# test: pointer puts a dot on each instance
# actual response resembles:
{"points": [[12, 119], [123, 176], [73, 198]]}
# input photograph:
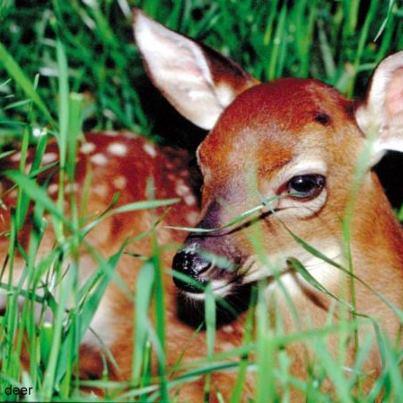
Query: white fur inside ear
{"points": [[390, 142], [381, 117], [179, 69], [394, 93]]}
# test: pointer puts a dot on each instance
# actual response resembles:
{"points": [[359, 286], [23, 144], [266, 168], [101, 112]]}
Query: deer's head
{"points": [[280, 158]]}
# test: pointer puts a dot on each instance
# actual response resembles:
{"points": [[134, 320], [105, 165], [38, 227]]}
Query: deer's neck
{"points": [[377, 236]]}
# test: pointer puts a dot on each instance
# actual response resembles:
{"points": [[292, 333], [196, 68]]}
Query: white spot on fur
{"points": [[150, 150], [181, 189], [99, 159], [228, 329], [190, 200], [192, 218], [49, 157], [118, 149], [110, 133], [87, 148], [119, 182], [53, 188], [16, 157], [101, 190]]}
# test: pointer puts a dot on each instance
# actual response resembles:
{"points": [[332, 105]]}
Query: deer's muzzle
{"points": [[196, 265]]}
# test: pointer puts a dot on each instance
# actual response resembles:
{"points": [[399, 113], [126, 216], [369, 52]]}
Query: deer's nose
{"points": [[191, 264]]}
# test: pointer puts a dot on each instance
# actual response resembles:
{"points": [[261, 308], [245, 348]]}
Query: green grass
{"points": [[68, 65]]}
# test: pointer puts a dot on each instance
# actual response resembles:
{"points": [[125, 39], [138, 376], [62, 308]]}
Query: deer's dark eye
{"points": [[305, 186]]}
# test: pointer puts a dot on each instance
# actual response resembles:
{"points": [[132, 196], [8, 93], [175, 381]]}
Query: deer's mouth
{"points": [[245, 275], [223, 283], [218, 288]]}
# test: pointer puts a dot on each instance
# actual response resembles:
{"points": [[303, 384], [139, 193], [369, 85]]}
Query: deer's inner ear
{"points": [[380, 117], [199, 82]]}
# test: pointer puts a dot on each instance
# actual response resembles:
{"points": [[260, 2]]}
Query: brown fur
{"points": [[165, 168]]}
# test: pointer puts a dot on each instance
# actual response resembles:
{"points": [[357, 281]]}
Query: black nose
{"points": [[191, 264]]}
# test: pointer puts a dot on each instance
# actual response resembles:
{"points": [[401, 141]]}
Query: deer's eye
{"points": [[305, 186]]}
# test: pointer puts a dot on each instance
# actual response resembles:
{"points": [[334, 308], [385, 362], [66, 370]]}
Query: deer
{"points": [[290, 146]]}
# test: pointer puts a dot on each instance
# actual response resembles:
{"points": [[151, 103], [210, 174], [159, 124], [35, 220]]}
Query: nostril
{"points": [[192, 265]]}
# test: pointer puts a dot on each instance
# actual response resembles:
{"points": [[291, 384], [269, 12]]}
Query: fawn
{"points": [[290, 146]]}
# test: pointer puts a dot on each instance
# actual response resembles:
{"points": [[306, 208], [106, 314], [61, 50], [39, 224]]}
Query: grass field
{"points": [[72, 66]]}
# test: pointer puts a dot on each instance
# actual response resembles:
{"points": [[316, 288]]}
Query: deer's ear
{"points": [[199, 82], [381, 115]]}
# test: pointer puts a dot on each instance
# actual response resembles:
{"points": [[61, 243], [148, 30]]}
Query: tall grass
{"points": [[69, 65]]}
